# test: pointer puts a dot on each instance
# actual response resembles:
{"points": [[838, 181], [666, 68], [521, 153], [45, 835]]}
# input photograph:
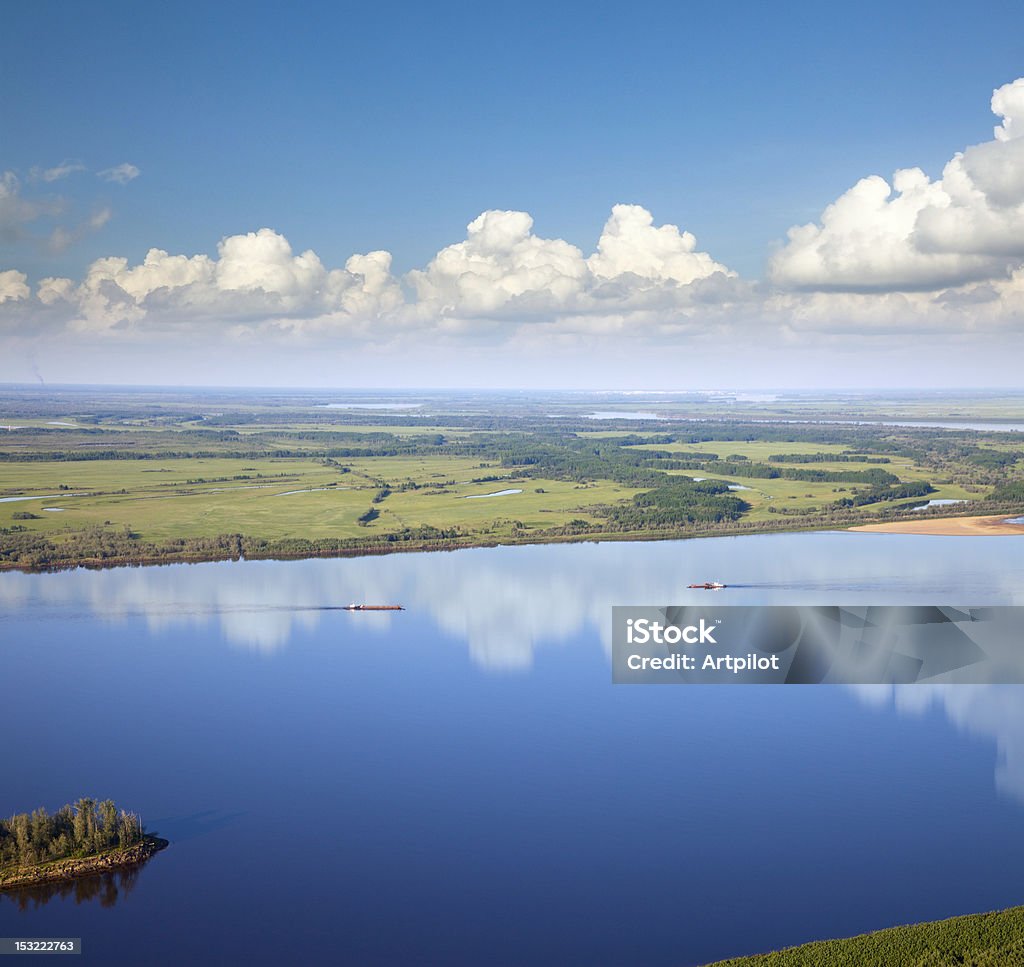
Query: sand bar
{"points": [[948, 526]]}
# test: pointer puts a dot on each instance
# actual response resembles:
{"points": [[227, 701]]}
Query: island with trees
{"points": [[86, 838]]}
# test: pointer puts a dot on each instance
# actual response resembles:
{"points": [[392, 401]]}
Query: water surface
{"points": [[623, 415], [460, 784], [13, 500], [371, 406]]}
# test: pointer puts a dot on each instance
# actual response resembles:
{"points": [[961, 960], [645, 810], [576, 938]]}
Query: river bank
{"points": [[93, 551], [989, 525], [68, 869]]}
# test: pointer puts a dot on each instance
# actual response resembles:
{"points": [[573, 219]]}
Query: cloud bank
{"points": [[501, 272], [889, 258]]}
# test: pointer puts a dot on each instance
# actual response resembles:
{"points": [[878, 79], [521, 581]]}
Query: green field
{"points": [[285, 498], [182, 476]]}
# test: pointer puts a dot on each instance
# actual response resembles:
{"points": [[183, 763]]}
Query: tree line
{"points": [[849, 457], [86, 828]]}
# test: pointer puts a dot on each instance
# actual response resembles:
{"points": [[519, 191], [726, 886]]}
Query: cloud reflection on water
{"points": [[505, 603], [993, 712]]}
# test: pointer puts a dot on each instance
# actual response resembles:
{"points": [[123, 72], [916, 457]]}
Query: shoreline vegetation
{"points": [[94, 477], [99, 555], [89, 837], [983, 939]]}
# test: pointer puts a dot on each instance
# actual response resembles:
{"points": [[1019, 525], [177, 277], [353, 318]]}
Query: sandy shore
{"points": [[948, 526]]}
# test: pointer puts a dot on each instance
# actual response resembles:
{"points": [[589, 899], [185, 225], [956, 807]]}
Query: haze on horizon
{"points": [[560, 199]]}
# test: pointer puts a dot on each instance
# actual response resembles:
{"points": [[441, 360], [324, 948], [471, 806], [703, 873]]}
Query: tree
{"points": [[41, 829], [129, 829], [85, 822], [22, 837], [108, 822]]}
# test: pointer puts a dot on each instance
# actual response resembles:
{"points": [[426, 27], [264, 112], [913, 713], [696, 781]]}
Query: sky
{"points": [[659, 195]]}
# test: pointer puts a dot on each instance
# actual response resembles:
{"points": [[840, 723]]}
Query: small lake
{"points": [[13, 500], [370, 406], [623, 415], [497, 493], [460, 783], [307, 490], [986, 426]]}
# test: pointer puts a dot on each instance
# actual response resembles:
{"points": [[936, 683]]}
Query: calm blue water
{"points": [[460, 784]]}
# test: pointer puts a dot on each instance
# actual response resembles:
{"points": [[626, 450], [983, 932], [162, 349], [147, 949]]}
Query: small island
{"points": [[86, 838]]}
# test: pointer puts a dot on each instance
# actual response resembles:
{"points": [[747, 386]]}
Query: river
{"points": [[461, 784]]}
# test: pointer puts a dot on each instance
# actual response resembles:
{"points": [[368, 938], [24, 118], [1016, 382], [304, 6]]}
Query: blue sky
{"points": [[350, 129]]}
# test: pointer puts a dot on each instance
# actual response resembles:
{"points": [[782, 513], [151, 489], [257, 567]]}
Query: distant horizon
{"points": [[609, 391]]}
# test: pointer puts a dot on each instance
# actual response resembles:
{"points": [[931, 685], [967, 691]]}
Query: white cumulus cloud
{"points": [[255, 276], [500, 261], [13, 286], [919, 234], [52, 291], [1008, 103], [630, 244], [503, 268]]}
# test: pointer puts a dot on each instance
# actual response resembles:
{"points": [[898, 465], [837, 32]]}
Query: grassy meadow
{"points": [[171, 467]]}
